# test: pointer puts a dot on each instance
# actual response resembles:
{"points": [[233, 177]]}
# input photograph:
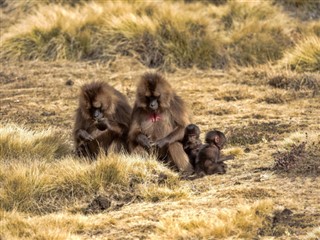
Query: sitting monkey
{"points": [[191, 142], [208, 160]]}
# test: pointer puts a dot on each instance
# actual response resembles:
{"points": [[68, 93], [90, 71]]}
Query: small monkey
{"points": [[208, 160], [191, 142]]}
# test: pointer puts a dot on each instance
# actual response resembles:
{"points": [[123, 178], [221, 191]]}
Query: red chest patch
{"points": [[155, 117]]}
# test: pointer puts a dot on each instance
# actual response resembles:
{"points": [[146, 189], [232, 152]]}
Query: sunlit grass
{"points": [[158, 34], [305, 56], [17, 141], [241, 222], [32, 179]]}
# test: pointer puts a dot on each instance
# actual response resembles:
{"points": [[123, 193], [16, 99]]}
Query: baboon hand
{"points": [[144, 141], [101, 124], [85, 136], [161, 143]]}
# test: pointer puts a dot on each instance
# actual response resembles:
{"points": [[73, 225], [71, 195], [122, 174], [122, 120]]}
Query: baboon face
{"points": [[216, 138], [94, 101], [154, 93], [192, 133]]}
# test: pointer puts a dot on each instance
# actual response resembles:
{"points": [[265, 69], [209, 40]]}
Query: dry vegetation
{"points": [[250, 69]]}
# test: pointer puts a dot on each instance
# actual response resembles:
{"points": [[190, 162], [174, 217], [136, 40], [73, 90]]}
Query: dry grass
{"points": [[47, 193], [38, 186], [142, 196], [299, 154], [306, 55], [205, 36], [216, 223], [17, 141]]}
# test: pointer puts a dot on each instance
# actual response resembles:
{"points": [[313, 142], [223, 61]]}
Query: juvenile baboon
{"points": [[158, 120], [102, 119], [191, 142], [208, 160]]}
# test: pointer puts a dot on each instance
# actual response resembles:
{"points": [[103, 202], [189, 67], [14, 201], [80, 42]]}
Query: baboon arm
{"points": [[115, 127], [225, 158], [135, 128], [176, 135]]}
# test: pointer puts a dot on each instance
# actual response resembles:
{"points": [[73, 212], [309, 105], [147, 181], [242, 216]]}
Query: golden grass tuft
{"points": [[298, 137], [31, 184], [158, 34], [15, 225], [242, 222], [18, 141], [256, 32], [306, 55], [103, 30]]}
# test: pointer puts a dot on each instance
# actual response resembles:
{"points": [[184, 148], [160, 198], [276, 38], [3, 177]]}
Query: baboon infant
{"points": [[209, 160], [191, 142]]}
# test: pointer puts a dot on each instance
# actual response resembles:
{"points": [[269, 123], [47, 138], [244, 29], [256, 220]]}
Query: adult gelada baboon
{"points": [[158, 121], [102, 120]]}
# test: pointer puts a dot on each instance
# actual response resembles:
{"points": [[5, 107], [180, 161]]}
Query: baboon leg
{"points": [[179, 157], [105, 140], [88, 149]]}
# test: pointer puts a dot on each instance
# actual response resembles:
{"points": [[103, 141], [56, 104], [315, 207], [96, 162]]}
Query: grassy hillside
{"points": [[160, 34], [249, 69]]}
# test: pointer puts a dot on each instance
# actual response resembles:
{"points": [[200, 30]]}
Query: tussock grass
{"points": [[305, 56], [20, 142], [276, 96], [305, 10], [287, 84], [158, 34], [43, 187], [256, 32], [242, 222], [256, 131], [103, 30], [15, 225]]}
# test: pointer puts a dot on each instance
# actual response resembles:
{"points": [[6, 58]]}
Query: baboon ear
{"points": [[217, 139]]}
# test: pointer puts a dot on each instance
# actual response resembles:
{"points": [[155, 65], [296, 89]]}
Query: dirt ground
{"points": [[257, 118]]}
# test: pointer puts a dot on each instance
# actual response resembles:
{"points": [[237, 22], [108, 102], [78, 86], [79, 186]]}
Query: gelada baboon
{"points": [[191, 142], [102, 120], [208, 160], [158, 121]]}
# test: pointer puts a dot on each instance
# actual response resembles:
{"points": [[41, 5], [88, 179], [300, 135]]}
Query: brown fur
{"points": [[162, 128], [191, 142], [111, 128], [208, 160]]}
